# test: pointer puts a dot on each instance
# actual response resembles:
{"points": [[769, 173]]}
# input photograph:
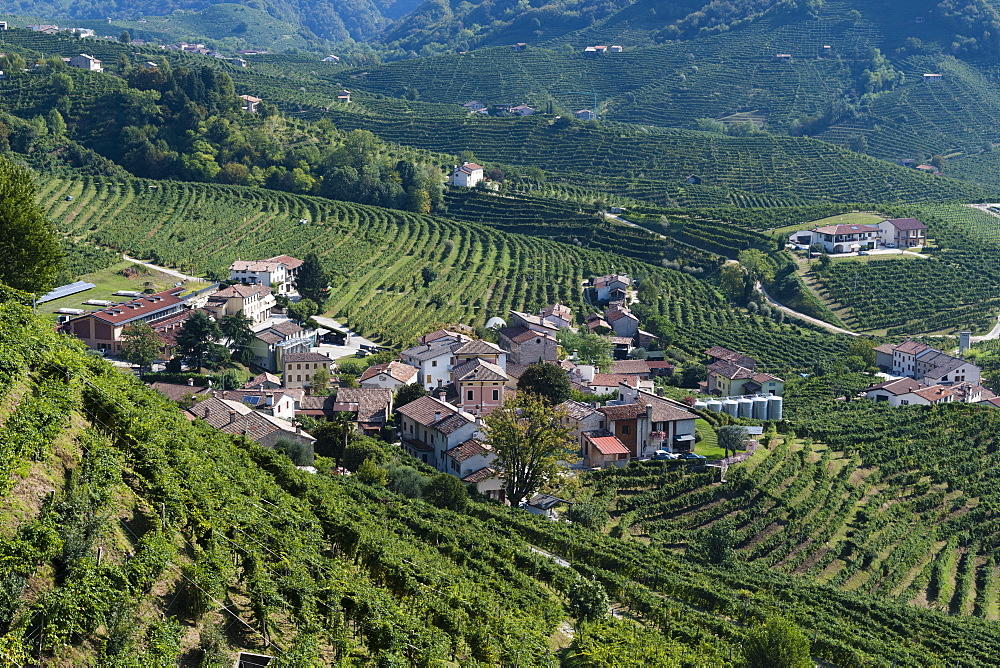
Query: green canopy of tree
{"points": [[447, 491], [531, 444], [547, 381], [313, 281], [408, 393], [198, 339], [29, 244], [361, 449], [140, 344], [236, 328], [777, 643], [587, 600], [590, 348], [733, 438]]}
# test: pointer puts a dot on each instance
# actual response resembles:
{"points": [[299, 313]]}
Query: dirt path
{"points": [[802, 316], [169, 272]]}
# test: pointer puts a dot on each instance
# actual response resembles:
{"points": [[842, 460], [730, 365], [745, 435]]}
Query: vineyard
{"points": [[957, 288], [378, 256], [895, 503], [153, 522]]}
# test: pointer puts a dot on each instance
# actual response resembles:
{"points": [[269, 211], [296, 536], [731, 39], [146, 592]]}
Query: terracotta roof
{"points": [[912, 348], [312, 402], [577, 410], [286, 327], [260, 379], [140, 307], [253, 265], [481, 475], [374, 403], [305, 357], [663, 409], [906, 223], [177, 391], [519, 333], [620, 340], [242, 291], [612, 380], [479, 347], [404, 373], [437, 414], [478, 369], [515, 370], [469, 167], [270, 338], [287, 260], [845, 229], [659, 364], [897, 386], [535, 320], [557, 309], [601, 281], [934, 393], [720, 353], [467, 450], [886, 348], [605, 442], [234, 418], [630, 367], [598, 322], [623, 412], [441, 334], [614, 315]]}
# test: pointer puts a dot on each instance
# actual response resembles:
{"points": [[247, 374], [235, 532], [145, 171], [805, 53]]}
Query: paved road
{"points": [[169, 272], [619, 219], [802, 316], [993, 333]]}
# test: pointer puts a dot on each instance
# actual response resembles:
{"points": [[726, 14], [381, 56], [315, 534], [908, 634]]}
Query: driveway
{"points": [[352, 345]]}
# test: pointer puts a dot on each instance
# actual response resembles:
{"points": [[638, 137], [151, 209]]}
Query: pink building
{"points": [[481, 385]]}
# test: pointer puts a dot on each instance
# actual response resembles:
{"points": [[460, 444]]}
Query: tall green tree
{"points": [[29, 244], [530, 443], [198, 338], [590, 348], [313, 281], [777, 643], [547, 381], [140, 344], [236, 328], [447, 491], [732, 437]]}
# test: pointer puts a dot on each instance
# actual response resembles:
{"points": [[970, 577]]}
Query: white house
{"points": [[557, 315], [466, 176], [585, 115], [391, 375], [250, 103], [85, 62], [331, 59], [840, 238], [580, 418], [612, 288], [429, 427], [902, 233], [522, 110], [922, 362], [278, 273], [256, 302], [434, 362], [471, 461], [909, 392]]}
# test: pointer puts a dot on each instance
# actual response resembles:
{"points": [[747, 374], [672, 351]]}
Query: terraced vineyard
{"points": [[957, 288], [895, 503], [379, 255]]}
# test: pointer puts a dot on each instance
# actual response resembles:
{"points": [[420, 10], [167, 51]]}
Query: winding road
{"points": [[802, 316], [164, 270]]}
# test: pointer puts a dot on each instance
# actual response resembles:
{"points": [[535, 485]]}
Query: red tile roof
{"points": [[623, 412], [140, 307], [467, 450], [631, 367], [606, 444], [481, 475], [305, 357], [612, 380], [242, 291], [845, 229], [434, 413], [404, 373], [374, 403]]}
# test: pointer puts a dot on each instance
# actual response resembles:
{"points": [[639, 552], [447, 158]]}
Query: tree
{"points": [[717, 544], [732, 437], [590, 348], [361, 449], [140, 344], [320, 382], [236, 328], [547, 381], [370, 473], [408, 393], [300, 453], [197, 339], [757, 266], [29, 244], [302, 310], [313, 282], [407, 481], [693, 374], [732, 282], [124, 37], [587, 600], [589, 514], [530, 443], [777, 643], [447, 491], [864, 349]]}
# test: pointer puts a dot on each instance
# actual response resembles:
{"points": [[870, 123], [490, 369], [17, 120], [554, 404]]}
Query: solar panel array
{"points": [[66, 291]]}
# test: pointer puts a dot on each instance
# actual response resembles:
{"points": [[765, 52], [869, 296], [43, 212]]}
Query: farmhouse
{"points": [[623, 322], [922, 362], [250, 103], [391, 375], [235, 417], [731, 380], [278, 273], [841, 238], [529, 339], [902, 233], [299, 368], [256, 302], [429, 427], [522, 110], [474, 106], [613, 287], [585, 115], [466, 176], [344, 96], [910, 392], [85, 62]]}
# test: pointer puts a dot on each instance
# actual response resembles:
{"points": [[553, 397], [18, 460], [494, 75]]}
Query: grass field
{"points": [[709, 443]]}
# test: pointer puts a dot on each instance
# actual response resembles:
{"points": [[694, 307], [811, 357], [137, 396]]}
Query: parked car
{"points": [[362, 353], [862, 252], [691, 455], [663, 454]]}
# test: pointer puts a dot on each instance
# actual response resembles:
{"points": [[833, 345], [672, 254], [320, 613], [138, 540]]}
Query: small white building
{"points": [[331, 59], [278, 273], [250, 103], [391, 375], [612, 288], [840, 238], [585, 115], [434, 361], [85, 62], [468, 175], [429, 427]]}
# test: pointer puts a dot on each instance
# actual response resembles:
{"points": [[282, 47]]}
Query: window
{"points": [[496, 395], [904, 402], [600, 425], [434, 363], [468, 395], [298, 377], [625, 430]]}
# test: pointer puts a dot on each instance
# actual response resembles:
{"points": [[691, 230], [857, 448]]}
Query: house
{"points": [[474, 106], [783, 57], [580, 418], [922, 362], [717, 353], [902, 233], [610, 288], [597, 324], [344, 96], [482, 386], [235, 417], [255, 301], [557, 315], [278, 403], [467, 176], [263, 381], [278, 273], [842, 238], [544, 505], [331, 59], [623, 322], [585, 115], [428, 427], [278, 339], [525, 345], [102, 330], [181, 391], [371, 406], [909, 392], [444, 334], [601, 448], [299, 368], [731, 380], [615, 48], [250, 103], [434, 361], [391, 375], [85, 62], [46, 29], [929, 169], [933, 76], [659, 368], [522, 110], [598, 50], [239, 62], [483, 350], [897, 392], [81, 32], [638, 368], [3, 25], [470, 461], [621, 346], [610, 383], [520, 46], [666, 424], [693, 180]]}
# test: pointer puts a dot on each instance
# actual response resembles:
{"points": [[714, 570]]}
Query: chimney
{"points": [[207, 412], [442, 393], [225, 394], [649, 412], [298, 429], [232, 417], [190, 382], [437, 416]]}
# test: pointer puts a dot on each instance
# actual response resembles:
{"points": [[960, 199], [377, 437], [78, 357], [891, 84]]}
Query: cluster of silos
{"points": [[758, 408]]}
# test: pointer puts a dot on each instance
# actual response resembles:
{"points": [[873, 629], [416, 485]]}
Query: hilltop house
{"points": [[902, 233], [612, 288], [85, 62], [585, 115], [278, 273], [102, 330], [623, 322], [840, 238], [922, 362], [299, 368], [250, 103], [529, 339], [256, 302], [467, 176]]}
